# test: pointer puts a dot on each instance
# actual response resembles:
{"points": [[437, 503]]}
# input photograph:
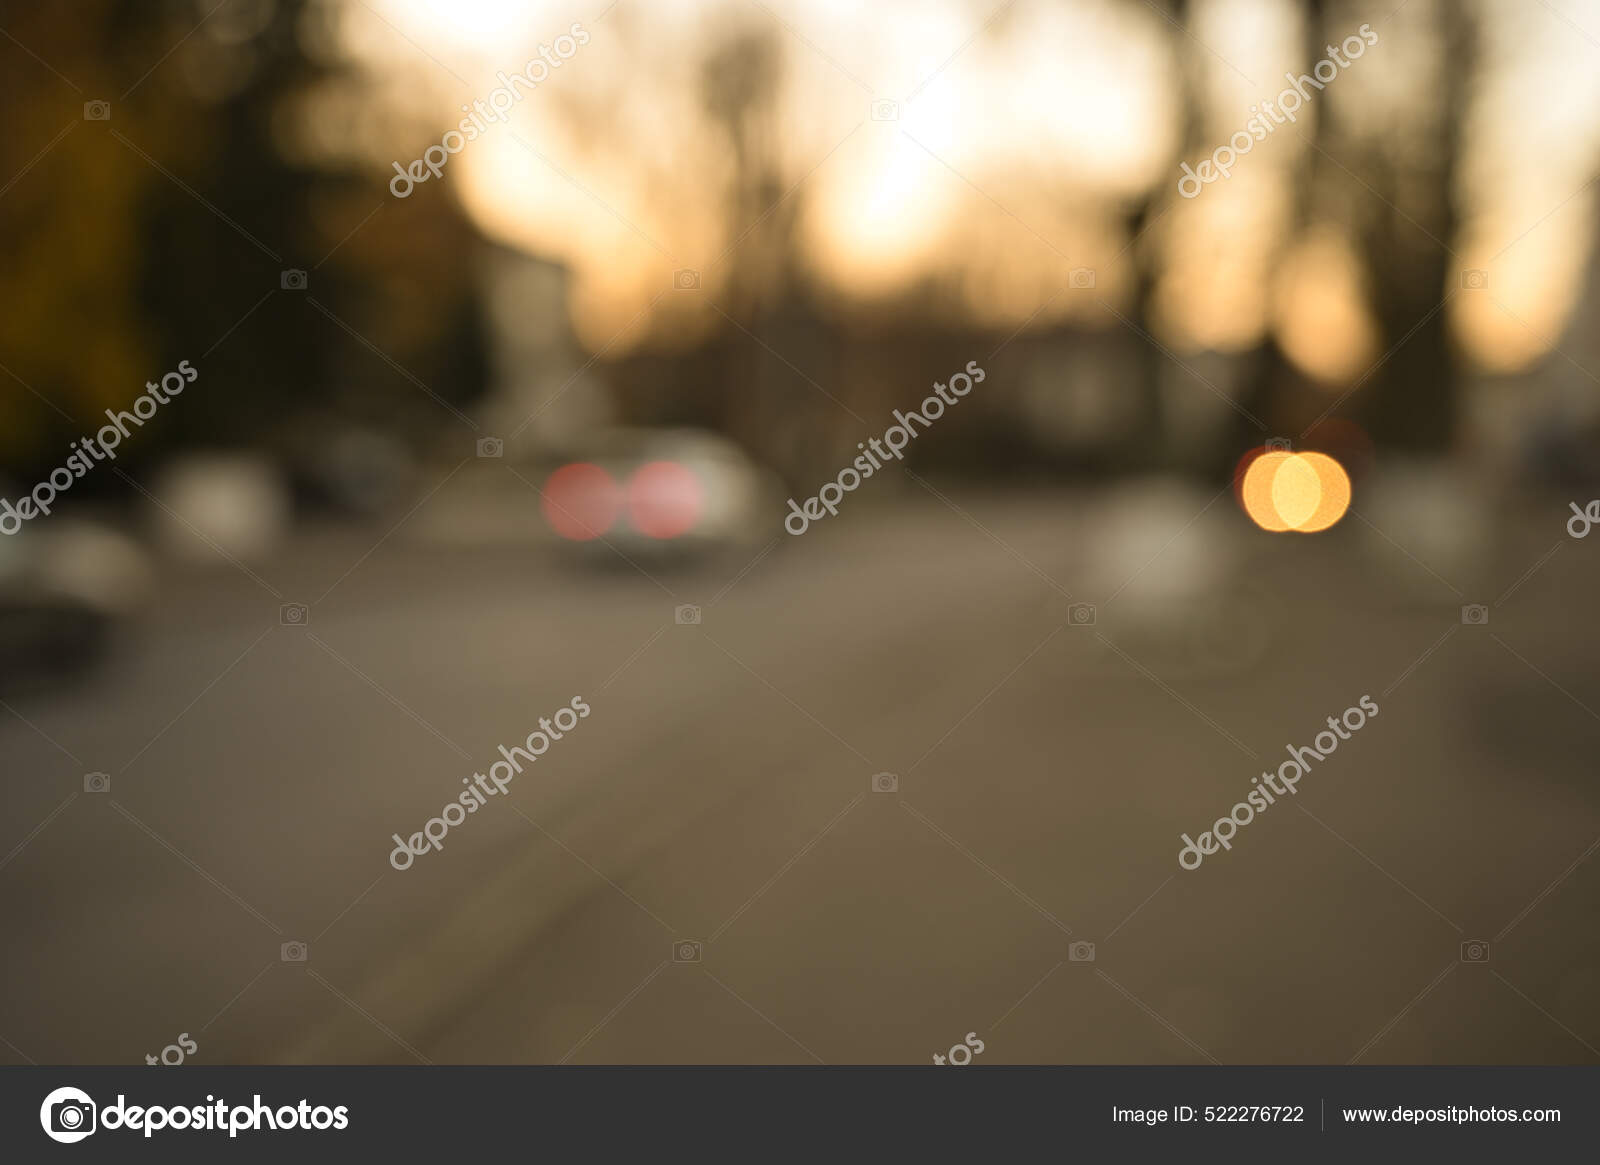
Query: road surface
{"points": [[703, 869]]}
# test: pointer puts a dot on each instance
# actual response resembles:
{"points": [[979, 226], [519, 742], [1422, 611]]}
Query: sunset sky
{"points": [[1022, 132]]}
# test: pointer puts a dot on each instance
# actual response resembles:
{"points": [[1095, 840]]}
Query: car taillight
{"points": [[665, 500], [581, 501]]}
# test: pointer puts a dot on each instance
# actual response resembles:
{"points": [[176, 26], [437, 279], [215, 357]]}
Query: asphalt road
{"points": [[721, 796]]}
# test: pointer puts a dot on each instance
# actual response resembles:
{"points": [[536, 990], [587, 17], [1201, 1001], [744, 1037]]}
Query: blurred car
{"points": [[206, 505], [657, 493], [1173, 575], [352, 470], [63, 590]]}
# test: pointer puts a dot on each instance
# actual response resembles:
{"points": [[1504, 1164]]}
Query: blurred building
{"points": [[542, 390]]}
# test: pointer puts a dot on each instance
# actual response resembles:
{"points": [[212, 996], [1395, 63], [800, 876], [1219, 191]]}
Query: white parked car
{"points": [[658, 492]]}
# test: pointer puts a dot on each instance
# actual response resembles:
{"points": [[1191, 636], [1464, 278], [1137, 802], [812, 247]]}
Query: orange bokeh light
{"points": [[1255, 494], [1334, 493], [1303, 492]]}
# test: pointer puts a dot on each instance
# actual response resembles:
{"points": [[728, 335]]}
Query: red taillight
{"points": [[665, 500], [581, 502]]}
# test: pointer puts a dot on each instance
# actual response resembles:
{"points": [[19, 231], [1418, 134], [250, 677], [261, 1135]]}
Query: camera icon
{"points": [[1080, 952], [293, 952], [885, 783], [1081, 277], [687, 615], [293, 279], [885, 110], [294, 614], [491, 447], [686, 280], [68, 1115], [1475, 614], [97, 111], [97, 783], [1475, 951], [72, 1116], [1081, 614], [1277, 445], [1474, 279], [686, 951]]}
